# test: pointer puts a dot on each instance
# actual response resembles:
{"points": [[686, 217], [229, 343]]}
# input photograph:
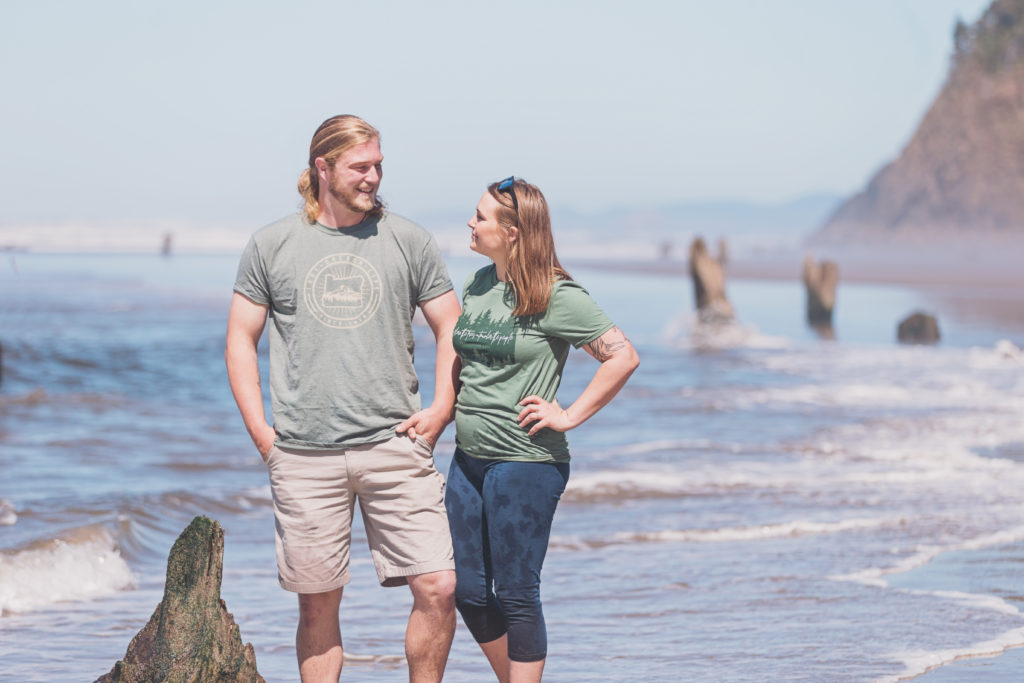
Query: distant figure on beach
{"points": [[340, 282], [511, 463]]}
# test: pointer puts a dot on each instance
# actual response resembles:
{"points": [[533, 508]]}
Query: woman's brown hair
{"points": [[532, 267]]}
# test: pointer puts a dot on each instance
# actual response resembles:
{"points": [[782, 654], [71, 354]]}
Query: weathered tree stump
{"points": [[708, 285], [191, 636], [723, 252], [820, 280], [918, 328]]}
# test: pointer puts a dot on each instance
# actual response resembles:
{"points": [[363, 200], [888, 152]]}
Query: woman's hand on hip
{"points": [[539, 414]]}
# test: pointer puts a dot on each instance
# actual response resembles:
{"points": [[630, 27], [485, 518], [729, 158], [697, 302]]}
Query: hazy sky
{"points": [[202, 111]]}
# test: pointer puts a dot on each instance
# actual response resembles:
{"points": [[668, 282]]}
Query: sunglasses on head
{"points": [[509, 185]]}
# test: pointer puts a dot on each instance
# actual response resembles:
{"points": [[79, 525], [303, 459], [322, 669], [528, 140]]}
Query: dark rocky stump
{"points": [[191, 636], [918, 328]]}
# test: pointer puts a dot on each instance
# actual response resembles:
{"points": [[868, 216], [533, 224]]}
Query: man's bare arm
{"points": [[246, 320], [441, 313]]}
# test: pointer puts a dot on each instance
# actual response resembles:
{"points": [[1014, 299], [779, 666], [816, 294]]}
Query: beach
{"points": [[758, 504]]}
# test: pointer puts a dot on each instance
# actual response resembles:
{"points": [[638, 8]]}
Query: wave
{"points": [[724, 535], [909, 467], [147, 527], [82, 565], [1002, 354], [924, 554], [919, 365], [8, 515], [87, 562], [688, 332], [919, 662]]}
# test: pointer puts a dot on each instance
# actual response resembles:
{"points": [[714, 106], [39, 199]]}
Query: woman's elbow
{"points": [[634, 360], [629, 359]]}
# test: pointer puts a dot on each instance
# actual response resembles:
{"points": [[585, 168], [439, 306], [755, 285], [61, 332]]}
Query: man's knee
{"points": [[314, 608], [435, 590]]}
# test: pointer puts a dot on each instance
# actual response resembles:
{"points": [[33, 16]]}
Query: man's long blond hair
{"points": [[532, 267], [333, 138]]}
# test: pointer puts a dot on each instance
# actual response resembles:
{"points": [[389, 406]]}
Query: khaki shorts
{"points": [[400, 494]]}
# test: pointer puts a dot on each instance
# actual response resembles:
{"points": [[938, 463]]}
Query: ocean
{"points": [[759, 503]]}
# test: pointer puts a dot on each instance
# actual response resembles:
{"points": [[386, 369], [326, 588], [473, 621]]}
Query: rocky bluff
{"points": [[961, 177]]}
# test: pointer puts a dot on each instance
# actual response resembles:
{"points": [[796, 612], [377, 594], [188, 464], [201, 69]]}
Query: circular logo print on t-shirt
{"points": [[342, 290]]}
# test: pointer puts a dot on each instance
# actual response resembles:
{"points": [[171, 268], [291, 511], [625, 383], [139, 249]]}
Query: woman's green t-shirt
{"points": [[506, 358]]}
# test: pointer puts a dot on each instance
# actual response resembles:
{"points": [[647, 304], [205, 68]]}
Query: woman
{"points": [[511, 464]]}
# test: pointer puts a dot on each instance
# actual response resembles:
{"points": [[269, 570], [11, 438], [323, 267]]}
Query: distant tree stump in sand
{"points": [[820, 280], [708, 285], [723, 252], [191, 635], [918, 328]]}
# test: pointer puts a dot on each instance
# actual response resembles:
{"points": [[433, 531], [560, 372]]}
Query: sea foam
{"points": [[923, 554], [919, 662], [793, 529], [8, 516], [81, 566]]}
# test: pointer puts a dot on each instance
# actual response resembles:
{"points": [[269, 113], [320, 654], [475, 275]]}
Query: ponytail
{"points": [[309, 188]]}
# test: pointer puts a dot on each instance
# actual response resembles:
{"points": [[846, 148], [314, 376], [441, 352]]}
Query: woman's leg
{"points": [[519, 501], [473, 580]]}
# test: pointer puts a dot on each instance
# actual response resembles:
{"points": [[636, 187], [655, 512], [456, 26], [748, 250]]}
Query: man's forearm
{"points": [[244, 377], [446, 377], [442, 313]]}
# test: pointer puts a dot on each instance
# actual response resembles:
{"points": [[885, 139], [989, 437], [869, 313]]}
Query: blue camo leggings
{"points": [[500, 515]]}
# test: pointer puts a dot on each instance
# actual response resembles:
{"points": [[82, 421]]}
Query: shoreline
{"points": [[996, 271], [996, 274]]}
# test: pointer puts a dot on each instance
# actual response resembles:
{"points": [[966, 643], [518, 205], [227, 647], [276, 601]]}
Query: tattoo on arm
{"points": [[608, 344]]}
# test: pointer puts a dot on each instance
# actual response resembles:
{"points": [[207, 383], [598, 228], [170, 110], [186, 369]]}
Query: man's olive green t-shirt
{"points": [[506, 358], [341, 303]]}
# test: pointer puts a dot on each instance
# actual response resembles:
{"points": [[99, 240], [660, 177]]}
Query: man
{"points": [[340, 282]]}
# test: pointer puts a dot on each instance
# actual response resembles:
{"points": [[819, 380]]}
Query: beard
{"points": [[351, 199]]}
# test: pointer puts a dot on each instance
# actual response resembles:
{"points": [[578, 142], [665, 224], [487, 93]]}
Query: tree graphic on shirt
{"points": [[485, 339]]}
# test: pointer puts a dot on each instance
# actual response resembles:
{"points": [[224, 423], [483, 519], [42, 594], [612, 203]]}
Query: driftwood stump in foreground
{"points": [[191, 636]]}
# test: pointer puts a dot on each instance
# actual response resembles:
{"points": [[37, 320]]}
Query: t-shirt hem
{"points": [[433, 294], [313, 446], [249, 295]]}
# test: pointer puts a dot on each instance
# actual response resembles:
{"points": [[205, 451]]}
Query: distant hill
{"points": [[647, 232], [961, 177]]}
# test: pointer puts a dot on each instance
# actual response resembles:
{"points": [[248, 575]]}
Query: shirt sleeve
{"points": [[573, 316], [251, 280], [433, 279]]}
